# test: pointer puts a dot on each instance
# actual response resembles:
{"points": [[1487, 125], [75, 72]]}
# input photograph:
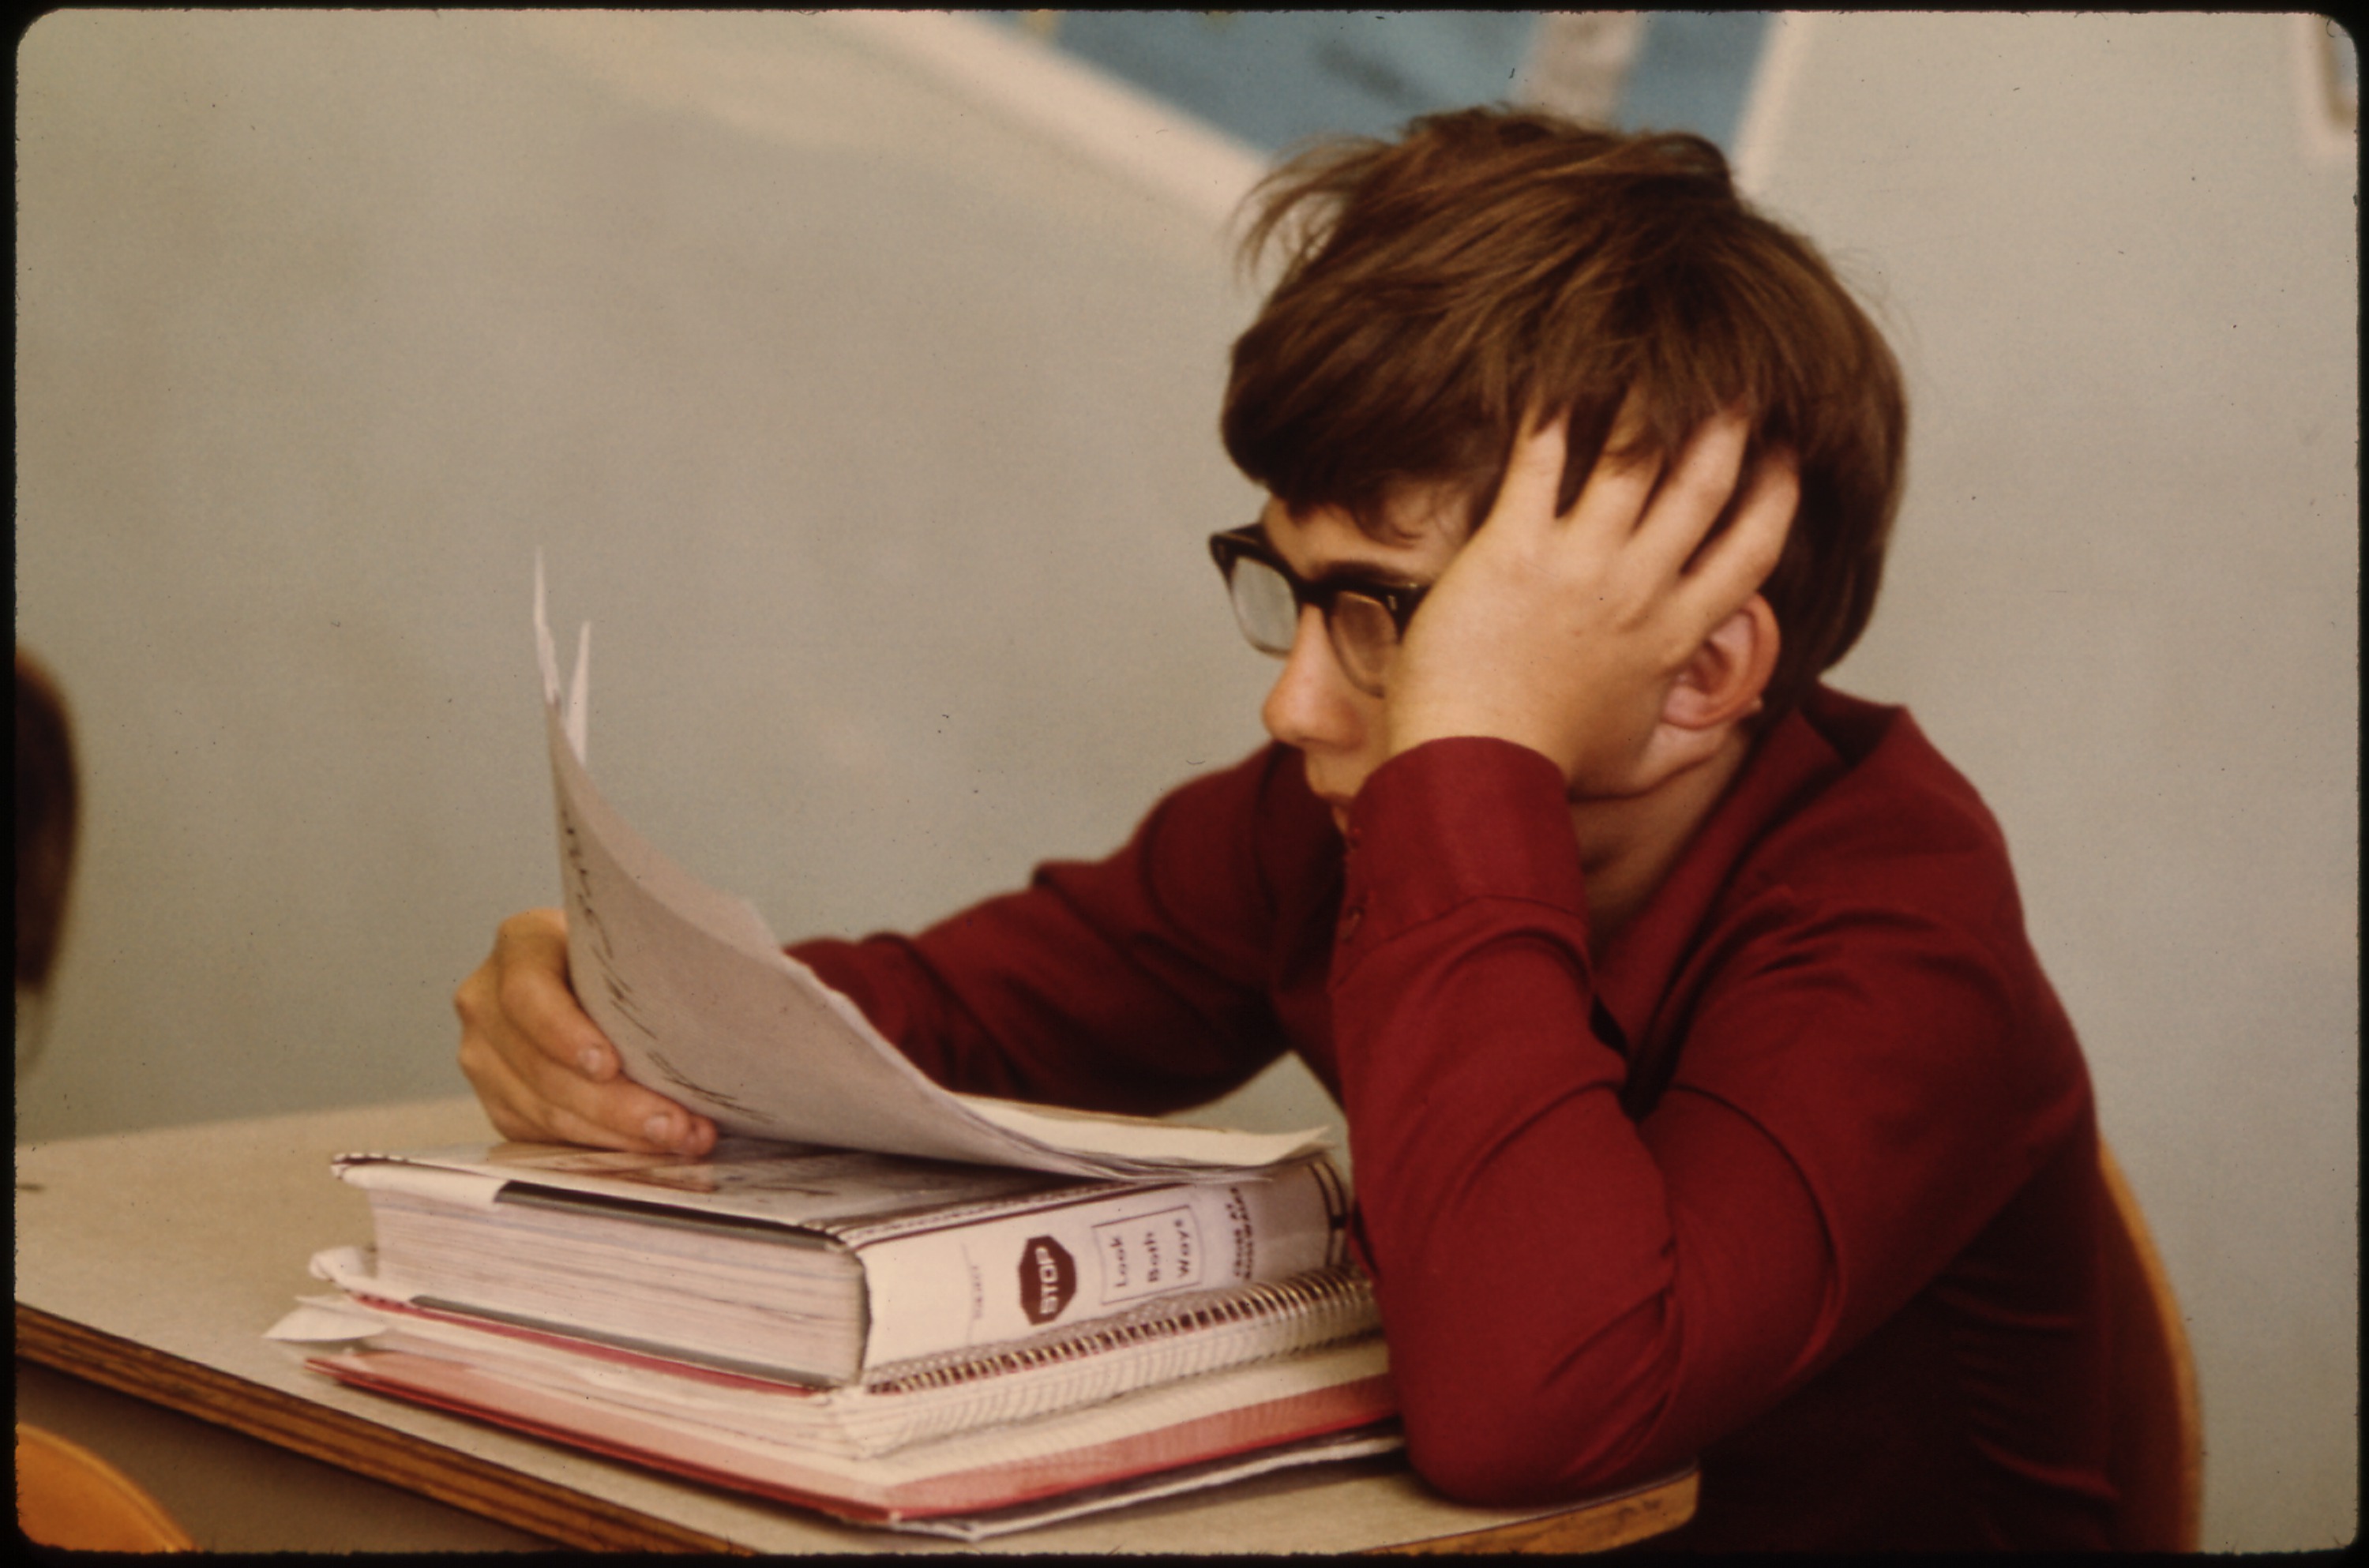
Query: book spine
{"points": [[996, 1281]]}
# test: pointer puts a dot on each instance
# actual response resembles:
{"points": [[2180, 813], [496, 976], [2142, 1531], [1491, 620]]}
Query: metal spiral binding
{"points": [[1269, 1301]]}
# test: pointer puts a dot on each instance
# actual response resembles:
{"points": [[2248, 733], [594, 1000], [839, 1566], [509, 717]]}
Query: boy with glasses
{"points": [[1705, 1095]]}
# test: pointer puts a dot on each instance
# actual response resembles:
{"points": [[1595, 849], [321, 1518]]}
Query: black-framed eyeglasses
{"points": [[1363, 618]]}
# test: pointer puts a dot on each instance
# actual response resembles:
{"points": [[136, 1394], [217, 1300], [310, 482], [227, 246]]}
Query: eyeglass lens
{"points": [[1362, 633], [1364, 637], [1264, 604]]}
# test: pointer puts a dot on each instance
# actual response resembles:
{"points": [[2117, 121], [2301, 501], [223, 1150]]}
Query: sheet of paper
{"points": [[703, 1006]]}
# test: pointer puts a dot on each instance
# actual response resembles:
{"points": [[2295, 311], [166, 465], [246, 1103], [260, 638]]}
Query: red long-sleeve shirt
{"points": [[1797, 1175]]}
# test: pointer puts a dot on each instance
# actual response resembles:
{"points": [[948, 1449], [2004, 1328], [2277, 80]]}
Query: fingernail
{"points": [[589, 1061]]}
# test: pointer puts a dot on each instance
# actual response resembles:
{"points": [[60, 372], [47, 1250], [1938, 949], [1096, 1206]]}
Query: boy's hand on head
{"points": [[1564, 632], [542, 1068]]}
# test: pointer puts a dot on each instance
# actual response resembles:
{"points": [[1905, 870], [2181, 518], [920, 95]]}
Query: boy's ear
{"points": [[1727, 674]]}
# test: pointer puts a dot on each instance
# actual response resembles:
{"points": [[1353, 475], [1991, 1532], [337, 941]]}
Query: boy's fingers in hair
{"points": [[1697, 491], [1619, 489], [1620, 486], [1533, 473], [1740, 560]]}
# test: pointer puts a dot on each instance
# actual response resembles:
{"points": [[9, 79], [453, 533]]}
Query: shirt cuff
{"points": [[1452, 821]]}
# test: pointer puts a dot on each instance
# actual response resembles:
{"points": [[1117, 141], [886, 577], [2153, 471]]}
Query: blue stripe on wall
{"points": [[1692, 72], [1273, 78]]}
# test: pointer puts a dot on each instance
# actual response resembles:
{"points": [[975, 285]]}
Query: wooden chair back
{"points": [[2158, 1455], [68, 1497]]}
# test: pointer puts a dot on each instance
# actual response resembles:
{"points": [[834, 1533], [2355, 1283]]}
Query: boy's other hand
{"points": [[542, 1068], [1566, 632]]}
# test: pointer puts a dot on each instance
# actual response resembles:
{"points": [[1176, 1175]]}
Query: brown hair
{"points": [[45, 819], [1492, 261]]}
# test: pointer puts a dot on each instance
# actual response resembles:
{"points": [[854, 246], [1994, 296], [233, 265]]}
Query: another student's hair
{"points": [[1438, 288], [46, 812]]}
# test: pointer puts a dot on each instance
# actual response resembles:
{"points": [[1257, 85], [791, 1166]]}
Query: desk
{"points": [[150, 1263]]}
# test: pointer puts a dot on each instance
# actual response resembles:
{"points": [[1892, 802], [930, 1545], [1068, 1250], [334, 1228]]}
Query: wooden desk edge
{"points": [[350, 1442], [576, 1518], [1600, 1524]]}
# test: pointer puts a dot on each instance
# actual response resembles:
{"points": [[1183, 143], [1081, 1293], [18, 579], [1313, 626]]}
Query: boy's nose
{"points": [[1312, 707]]}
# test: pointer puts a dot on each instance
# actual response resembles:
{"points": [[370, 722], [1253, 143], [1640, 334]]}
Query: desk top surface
{"points": [[193, 1241]]}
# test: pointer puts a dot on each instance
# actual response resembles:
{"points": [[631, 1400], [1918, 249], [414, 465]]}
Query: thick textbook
{"points": [[821, 1264]]}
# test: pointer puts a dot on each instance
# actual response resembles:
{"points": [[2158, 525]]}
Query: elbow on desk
{"points": [[1507, 1447], [1511, 1400]]}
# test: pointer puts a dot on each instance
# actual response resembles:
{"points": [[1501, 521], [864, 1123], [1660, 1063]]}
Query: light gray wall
{"points": [[873, 433], [2125, 599], [872, 427]]}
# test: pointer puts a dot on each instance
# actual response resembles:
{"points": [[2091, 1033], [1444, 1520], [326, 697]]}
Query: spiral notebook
{"points": [[1316, 1406], [903, 1403]]}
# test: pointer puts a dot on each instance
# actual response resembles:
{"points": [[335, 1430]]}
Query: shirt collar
{"points": [[1636, 970]]}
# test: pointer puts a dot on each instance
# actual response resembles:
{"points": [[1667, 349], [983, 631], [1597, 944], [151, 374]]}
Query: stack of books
{"points": [[949, 1348], [964, 1316]]}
